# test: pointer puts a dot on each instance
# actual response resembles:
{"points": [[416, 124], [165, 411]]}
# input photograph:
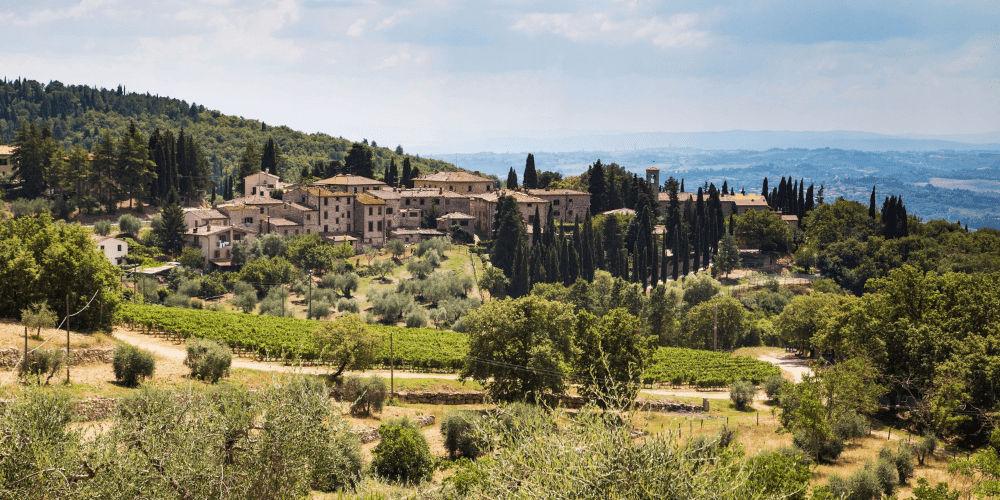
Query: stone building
{"points": [[568, 205], [350, 183], [456, 182], [484, 209]]}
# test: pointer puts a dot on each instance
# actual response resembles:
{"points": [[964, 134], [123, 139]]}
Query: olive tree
{"points": [[347, 342]]}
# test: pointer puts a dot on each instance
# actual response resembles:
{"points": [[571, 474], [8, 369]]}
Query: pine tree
{"points": [[172, 228], [530, 175], [511, 179], [360, 161], [587, 250]]}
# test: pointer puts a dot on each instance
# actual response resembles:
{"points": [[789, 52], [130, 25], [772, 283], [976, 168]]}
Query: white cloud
{"points": [[357, 28], [403, 57], [79, 11], [393, 19], [679, 30]]}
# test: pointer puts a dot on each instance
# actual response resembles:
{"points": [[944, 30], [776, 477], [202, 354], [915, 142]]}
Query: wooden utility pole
{"points": [[310, 307], [715, 329], [67, 339], [392, 369]]}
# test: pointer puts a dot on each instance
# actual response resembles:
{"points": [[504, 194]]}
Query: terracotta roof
{"points": [[457, 215], [340, 238], [556, 192], [255, 200], [520, 196], [96, 238], [425, 232], [619, 211], [204, 213], [267, 174], [301, 208], [744, 200], [321, 192], [452, 177], [210, 230], [664, 197], [349, 180], [7, 150], [790, 217], [281, 221], [367, 199]]}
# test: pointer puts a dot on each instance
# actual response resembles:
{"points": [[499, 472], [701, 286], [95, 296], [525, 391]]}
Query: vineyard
{"points": [[291, 338], [678, 366]]}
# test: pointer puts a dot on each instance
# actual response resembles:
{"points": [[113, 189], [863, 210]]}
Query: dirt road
{"points": [[795, 367], [176, 351]]}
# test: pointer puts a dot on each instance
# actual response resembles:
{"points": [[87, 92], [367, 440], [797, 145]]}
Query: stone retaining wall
{"points": [[566, 401], [370, 435], [9, 357]]}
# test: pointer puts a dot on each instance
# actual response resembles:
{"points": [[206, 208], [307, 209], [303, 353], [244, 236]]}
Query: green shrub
{"points": [[127, 223], [459, 431], [851, 425], [337, 463], [862, 485], [742, 393], [925, 447], [923, 491], [177, 300], [901, 458], [102, 227], [416, 317], [772, 386], [131, 364], [402, 454], [829, 449], [348, 305], [208, 360], [41, 363], [366, 395], [888, 477], [776, 475]]}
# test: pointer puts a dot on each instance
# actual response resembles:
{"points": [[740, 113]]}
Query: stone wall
{"points": [[370, 435], [86, 409], [9, 357], [566, 401]]}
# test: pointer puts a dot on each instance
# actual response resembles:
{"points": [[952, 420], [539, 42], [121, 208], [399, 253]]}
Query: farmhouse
{"points": [[457, 182], [6, 166], [113, 249], [568, 205], [261, 183], [484, 209]]}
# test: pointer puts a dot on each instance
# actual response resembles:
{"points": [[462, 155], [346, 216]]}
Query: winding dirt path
{"points": [[792, 366], [176, 351]]}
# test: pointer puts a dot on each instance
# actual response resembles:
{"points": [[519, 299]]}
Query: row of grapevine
{"points": [[680, 366], [291, 338]]}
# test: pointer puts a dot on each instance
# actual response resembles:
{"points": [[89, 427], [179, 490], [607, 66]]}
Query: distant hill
{"points": [[76, 114], [729, 140]]}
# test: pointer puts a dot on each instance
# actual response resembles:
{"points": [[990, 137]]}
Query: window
{"points": [[261, 209], [337, 221], [355, 190], [388, 210], [248, 220], [570, 213], [338, 199], [571, 200], [463, 223], [3, 161], [302, 200], [348, 214], [370, 229], [379, 225], [286, 232], [326, 229], [451, 188], [370, 211], [216, 254], [308, 231], [326, 201], [326, 215], [380, 210], [470, 188], [336, 208], [407, 201], [308, 216], [555, 213], [119, 248], [102, 247], [253, 191], [555, 203], [421, 202]]}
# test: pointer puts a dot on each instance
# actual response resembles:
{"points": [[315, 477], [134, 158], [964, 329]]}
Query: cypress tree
{"points": [[511, 179], [682, 185], [598, 249], [269, 159], [597, 188], [530, 175], [872, 213], [537, 269], [406, 179], [800, 206], [519, 281], [764, 192], [809, 199], [699, 225], [509, 233], [536, 229], [552, 264], [725, 187], [587, 253], [392, 178], [549, 236], [685, 243], [654, 262], [663, 259]]}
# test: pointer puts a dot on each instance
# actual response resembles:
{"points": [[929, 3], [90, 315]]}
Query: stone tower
{"points": [[653, 177]]}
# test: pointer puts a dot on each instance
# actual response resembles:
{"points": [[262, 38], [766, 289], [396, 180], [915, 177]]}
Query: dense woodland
{"points": [[78, 115]]}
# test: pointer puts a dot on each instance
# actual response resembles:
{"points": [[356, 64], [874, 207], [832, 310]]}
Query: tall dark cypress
{"points": [[765, 193], [810, 204], [663, 258], [800, 206], [552, 264], [564, 248], [537, 268], [654, 262], [536, 229], [392, 177], [700, 228], [406, 179], [549, 236], [686, 240], [511, 179], [269, 160], [519, 281], [872, 213], [598, 188], [530, 175], [587, 250]]}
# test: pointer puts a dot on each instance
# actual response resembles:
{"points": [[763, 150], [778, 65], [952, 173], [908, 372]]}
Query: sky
{"points": [[434, 74]]}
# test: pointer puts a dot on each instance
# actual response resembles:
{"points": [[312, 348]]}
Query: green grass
{"points": [[705, 368]]}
